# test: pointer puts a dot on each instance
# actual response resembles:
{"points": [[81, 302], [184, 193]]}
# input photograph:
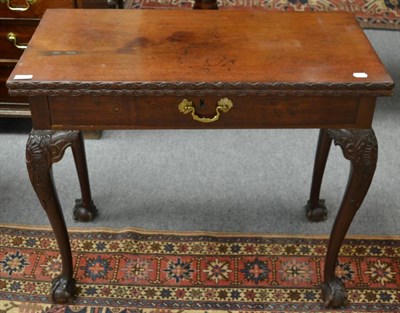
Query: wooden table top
{"points": [[82, 51]]}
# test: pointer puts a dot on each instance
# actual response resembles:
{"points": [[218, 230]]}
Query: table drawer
{"points": [[36, 9], [163, 112], [21, 30]]}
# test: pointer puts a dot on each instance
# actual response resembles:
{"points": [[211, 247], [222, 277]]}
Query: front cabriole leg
{"points": [[361, 148], [44, 148]]}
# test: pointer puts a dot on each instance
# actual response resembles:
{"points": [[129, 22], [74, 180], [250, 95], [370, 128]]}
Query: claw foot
{"points": [[317, 214], [63, 290], [334, 293], [83, 214]]}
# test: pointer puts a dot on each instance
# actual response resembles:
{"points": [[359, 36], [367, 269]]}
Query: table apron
{"points": [[152, 112]]}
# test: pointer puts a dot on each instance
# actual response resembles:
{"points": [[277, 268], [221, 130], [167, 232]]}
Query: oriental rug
{"points": [[158, 272], [378, 14]]}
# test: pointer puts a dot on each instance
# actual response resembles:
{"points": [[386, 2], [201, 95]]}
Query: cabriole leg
{"points": [[42, 150], [361, 148], [315, 209], [84, 209]]}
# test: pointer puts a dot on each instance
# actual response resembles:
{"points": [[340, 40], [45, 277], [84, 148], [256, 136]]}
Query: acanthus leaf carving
{"points": [[359, 146], [43, 148]]}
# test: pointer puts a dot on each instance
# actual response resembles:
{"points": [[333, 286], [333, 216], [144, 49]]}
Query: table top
{"points": [[76, 52]]}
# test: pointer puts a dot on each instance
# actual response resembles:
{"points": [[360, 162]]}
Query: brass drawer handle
{"points": [[19, 9], [13, 38], [224, 105]]}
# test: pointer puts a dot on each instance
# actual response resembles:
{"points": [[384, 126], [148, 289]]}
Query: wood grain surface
{"points": [[80, 48]]}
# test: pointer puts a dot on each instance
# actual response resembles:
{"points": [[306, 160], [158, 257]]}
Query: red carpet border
{"points": [[156, 272]]}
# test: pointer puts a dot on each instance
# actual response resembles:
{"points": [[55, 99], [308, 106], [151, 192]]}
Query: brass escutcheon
{"points": [[19, 9], [223, 105]]}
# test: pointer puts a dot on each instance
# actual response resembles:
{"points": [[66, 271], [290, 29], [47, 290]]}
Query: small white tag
{"points": [[360, 75], [23, 76]]}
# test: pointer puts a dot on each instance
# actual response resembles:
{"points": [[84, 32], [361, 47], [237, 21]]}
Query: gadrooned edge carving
{"points": [[189, 88], [359, 146]]}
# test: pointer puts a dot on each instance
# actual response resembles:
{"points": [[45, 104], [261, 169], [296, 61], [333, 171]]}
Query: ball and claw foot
{"points": [[317, 214], [63, 290], [334, 293], [83, 214]]}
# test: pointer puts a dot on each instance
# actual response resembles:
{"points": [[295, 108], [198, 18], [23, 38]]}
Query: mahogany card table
{"points": [[179, 69]]}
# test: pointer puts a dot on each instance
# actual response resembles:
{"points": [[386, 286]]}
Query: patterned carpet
{"points": [[376, 14], [148, 272]]}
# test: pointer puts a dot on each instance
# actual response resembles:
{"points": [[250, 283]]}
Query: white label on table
{"points": [[360, 75], [23, 76]]}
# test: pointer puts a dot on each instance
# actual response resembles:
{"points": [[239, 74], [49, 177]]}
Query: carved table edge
{"points": [[19, 88]]}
